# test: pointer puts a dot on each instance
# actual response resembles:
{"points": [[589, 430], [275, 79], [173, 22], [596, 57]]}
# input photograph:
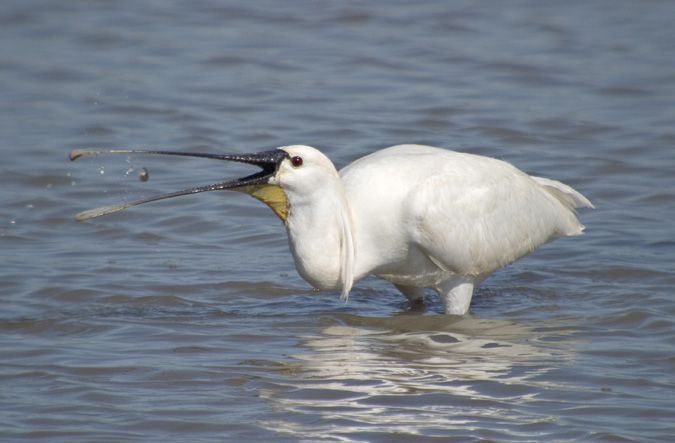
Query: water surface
{"points": [[186, 319]]}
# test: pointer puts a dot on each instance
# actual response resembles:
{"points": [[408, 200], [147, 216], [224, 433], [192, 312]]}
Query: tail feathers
{"points": [[570, 199], [566, 194]]}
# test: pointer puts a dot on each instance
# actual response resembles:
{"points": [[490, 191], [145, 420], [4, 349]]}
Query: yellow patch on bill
{"points": [[272, 195]]}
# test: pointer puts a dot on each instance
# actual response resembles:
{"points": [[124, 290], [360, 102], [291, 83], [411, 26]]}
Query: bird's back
{"points": [[466, 214]]}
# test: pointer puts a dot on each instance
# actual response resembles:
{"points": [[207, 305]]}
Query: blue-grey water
{"points": [[185, 320]]}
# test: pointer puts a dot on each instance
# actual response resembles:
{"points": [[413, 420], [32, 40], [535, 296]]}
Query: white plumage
{"points": [[418, 216]]}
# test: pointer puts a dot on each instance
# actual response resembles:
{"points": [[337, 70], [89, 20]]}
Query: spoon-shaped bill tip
{"points": [[79, 153], [103, 210]]}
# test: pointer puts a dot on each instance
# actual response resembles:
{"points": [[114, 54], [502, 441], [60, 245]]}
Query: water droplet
{"points": [[144, 175]]}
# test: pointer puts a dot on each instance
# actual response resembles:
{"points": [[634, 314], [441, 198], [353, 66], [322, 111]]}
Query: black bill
{"points": [[256, 184]]}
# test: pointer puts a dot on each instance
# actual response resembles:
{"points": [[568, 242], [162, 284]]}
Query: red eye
{"points": [[296, 161]]}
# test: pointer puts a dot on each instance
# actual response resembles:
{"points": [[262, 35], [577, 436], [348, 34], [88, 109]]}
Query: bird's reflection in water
{"points": [[415, 375]]}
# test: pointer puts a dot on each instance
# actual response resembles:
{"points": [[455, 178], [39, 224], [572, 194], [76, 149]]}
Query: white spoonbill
{"points": [[418, 216]]}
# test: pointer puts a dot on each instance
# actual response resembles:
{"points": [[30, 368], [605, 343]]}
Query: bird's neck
{"points": [[321, 237]]}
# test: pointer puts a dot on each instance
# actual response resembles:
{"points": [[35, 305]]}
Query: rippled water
{"points": [[186, 319]]}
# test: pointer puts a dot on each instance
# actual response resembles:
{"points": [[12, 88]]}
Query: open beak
{"points": [[257, 185]]}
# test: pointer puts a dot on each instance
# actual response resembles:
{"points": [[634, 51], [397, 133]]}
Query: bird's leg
{"points": [[456, 294], [415, 295]]}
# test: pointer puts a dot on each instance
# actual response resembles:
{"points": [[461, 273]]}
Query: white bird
{"points": [[417, 216]]}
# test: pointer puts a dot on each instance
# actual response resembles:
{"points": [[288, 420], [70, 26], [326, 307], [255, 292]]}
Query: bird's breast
{"points": [[316, 248]]}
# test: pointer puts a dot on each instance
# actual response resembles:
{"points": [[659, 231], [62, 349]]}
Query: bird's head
{"points": [[288, 170], [303, 172]]}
